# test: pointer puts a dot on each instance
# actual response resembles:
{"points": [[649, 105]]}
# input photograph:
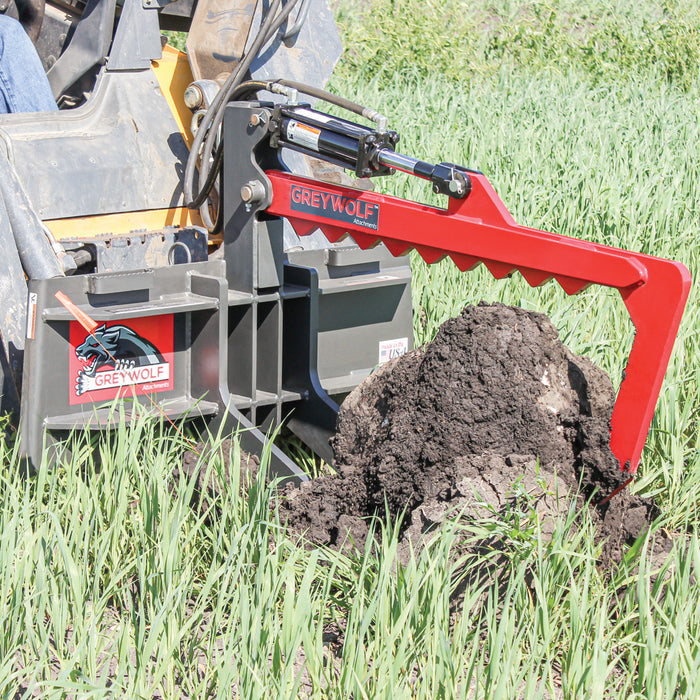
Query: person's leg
{"points": [[23, 83]]}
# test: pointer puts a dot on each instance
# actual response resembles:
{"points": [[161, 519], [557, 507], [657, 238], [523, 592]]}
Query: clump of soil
{"points": [[495, 400]]}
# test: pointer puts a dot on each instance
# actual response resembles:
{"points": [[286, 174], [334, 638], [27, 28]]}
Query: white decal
{"points": [[31, 315], [303, 134], [389, 349], [122, 376]]}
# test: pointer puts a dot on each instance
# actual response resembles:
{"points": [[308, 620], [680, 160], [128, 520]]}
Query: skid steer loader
{"points": [[181, 234]]}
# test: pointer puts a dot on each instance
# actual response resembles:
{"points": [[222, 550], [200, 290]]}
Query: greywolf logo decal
{"points": [[335, 206], [130, 359]]}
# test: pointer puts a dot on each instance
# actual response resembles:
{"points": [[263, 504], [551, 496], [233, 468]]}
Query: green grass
{"points": [[584, 115], [600, 39], [609, 157], [114, 585]]}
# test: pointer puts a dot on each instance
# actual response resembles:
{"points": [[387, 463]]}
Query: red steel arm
{"points": [[481, 229]]}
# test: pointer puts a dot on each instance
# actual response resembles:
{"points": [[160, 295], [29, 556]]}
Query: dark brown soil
{"points": [[496, 400]]}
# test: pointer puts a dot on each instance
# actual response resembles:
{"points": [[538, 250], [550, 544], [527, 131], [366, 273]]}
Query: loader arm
{"points": [[479, 229]]}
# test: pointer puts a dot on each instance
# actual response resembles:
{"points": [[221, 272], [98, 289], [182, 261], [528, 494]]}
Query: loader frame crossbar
{"points": [[479, 229]]}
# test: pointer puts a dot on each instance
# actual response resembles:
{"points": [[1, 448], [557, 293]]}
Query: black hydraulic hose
{"points": [[329, 97], [281, 19], [207, 132], [212, 112], [240, 93], [299, 21], [211, 178], [265, 33], [206, 217]]}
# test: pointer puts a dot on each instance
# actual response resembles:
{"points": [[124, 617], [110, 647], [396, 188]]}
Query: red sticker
{"points": [[133, 357]]}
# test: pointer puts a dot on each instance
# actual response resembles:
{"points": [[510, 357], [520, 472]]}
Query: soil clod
{"points": [[493, 407]]}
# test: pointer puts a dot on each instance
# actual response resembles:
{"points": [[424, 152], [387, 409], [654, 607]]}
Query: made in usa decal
{"points": [[338, 207], [121, 359]]}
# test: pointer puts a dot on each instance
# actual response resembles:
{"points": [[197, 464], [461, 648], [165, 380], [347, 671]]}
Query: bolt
{"points": [[257, 119], [193, 96], [456, 187], [252, 191]]}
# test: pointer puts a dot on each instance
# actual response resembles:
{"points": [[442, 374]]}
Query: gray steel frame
{"points": [[289, 331], [328, 329], [197, 295]]}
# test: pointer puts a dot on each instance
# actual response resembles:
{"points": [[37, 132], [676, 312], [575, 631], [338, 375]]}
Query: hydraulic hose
{"points": [[267, 30], [298, 22], [241, 92], [341, 102], [207, 134]]}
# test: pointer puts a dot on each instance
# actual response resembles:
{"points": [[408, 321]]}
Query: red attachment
{"points": [[481, 229]]}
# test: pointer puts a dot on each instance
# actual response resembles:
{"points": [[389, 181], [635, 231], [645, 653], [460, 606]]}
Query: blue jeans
{"points": [[23, 83]]}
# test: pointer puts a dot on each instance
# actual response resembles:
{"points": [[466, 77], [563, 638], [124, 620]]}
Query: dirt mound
{"points": [[495, 400]]}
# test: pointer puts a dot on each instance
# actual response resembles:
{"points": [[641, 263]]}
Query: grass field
{"points": [[584, 115]]}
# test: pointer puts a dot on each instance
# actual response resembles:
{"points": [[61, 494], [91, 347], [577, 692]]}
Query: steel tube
{"points": [[398, 161]]}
